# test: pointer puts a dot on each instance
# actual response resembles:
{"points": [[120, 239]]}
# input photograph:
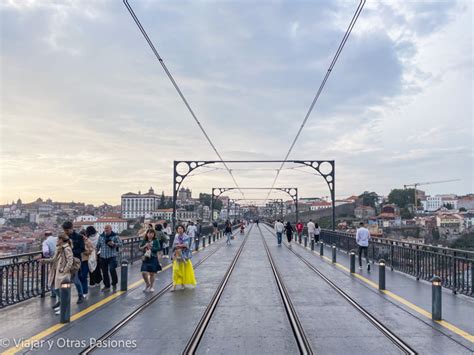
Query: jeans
{"points": [[77, 282], [228, 235], [109, 265], [365, 250], [279, 237], [83, 274]]}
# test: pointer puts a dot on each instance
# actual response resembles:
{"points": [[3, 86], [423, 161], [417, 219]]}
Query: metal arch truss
{"points": [[291, 191], [234, 200], [183, 168]]}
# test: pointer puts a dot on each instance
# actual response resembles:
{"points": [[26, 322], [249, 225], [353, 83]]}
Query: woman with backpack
{"points": [[150, 265], [61, 266]]}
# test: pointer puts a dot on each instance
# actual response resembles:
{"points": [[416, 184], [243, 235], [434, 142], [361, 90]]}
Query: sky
{"points": [[87, 112]]}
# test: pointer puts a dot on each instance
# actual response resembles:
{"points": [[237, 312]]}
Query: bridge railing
{"points": [[454, 266], [22, 276]]}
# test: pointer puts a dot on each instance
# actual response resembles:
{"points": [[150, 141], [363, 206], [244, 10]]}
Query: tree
{"points": [[462, 209], [402, 197], [162, 200], [448, 206], [405, 213], [205, 200], [369, 198], [466, 242]]}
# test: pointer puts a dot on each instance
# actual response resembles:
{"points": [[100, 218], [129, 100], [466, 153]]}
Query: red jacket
{"points": [[299, 227]]}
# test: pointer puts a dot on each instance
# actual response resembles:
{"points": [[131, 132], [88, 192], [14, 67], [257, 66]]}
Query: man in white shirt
{"points": [[362, 240], [279, 227], [311, 228], [191, 232]]}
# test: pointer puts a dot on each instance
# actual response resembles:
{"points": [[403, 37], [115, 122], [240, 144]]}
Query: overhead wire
{"points": [[173, 81], [321, 87]]}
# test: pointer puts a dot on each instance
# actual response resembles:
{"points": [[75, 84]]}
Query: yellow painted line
{"points": [[56, 327], [402, 300]]}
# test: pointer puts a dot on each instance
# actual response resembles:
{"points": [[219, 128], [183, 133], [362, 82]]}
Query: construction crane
{"points": [[416, 184]]}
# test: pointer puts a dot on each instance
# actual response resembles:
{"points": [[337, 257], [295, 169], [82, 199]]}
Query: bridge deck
{"points": [[250, 317]]}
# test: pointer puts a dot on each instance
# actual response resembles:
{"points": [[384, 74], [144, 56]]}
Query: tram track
{"points": [[198, 333], [120, 325], [403, 346], [298, 331]]}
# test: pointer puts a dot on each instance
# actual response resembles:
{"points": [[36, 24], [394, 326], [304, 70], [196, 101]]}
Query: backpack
{"points": [[76, 265]]}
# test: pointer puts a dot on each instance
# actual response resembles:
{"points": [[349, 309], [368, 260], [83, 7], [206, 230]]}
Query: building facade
{"points": [[139, 205]]}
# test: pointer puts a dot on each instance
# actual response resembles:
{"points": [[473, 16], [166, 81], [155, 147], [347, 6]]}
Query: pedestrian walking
{"points": [[183, 272], [78, 248], [61, 265], [362, 240], [191, 231], [289, 232], [48, 249], [311, 227], [317, 232], [166, 245], [299, 229], [215, 229], [108, 246], [279, 227], [84, 270], [150, 246], [95, 273], [161, 236], [228, 232]]}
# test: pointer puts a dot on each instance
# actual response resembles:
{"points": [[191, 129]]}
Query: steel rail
{"points": [[300, 336], [378, 324], [196, 337], [139, 309]]}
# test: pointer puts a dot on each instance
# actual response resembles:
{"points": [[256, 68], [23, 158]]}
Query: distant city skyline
{"points": [[87, 113]]}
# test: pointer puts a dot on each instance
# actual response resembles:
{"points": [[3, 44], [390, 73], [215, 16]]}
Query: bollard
{"points": [[305, 242], [333, 253], [124, 276], [209, 242], [312, 244], [352, 255], [381, 274], [203, 242], [213, 238], [65, 297], [321, 248], [196, 244], [299, 238], [436, 309]]}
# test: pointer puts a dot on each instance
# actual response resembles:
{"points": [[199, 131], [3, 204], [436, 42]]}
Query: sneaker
{"points": [[114, 287], [80, 300], [145, 289], [105, 289], [85, 296], [368, 267], [57, 309], [152, 289], [57, 312], [56, 305]]}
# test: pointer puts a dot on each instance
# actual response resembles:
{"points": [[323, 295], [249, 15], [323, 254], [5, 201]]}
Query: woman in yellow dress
{"points": [[183, 272]]}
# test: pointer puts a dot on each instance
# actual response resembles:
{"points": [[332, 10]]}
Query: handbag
{"points": [[92, 262], [147, 255]]}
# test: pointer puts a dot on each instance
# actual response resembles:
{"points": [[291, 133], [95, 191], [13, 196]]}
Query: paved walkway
{"points": [[250, 317]]}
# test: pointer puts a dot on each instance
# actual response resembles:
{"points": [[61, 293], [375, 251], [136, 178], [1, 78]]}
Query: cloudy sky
{"points": [[87, 112]]}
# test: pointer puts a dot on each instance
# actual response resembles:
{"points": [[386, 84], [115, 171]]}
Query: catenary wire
{"points": [[173, 81], [321, 87]]}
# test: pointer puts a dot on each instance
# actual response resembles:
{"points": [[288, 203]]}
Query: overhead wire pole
{"points": [[321, 87], [165, 68]]}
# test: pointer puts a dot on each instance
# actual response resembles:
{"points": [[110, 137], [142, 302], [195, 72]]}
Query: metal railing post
{"points": [[381, 274], [436, 310], [124, 275], [352, 255]]}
